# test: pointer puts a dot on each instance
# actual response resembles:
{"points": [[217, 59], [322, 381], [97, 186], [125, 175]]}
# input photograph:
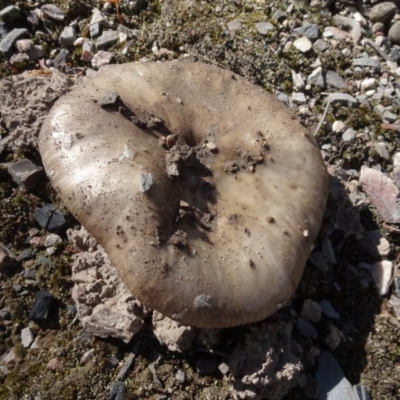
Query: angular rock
{"points": [[87, 50], [382, 192], [36, 53], [321, 45], [298, 98], [43, 306], [24, 45], [53, 12], [328, 310], [298, 81], [343, 98], [333, 79], [67, 37], [174, 335], [101, 58], [263, 27], [332, 337], [366, 62], [61, 58], [49, 217], [106, 321], [311, 311], [317, 78], [8, 40], [99, 18], [382, 12], [266, 365], [382, 274], [311, 31], [332, 382], [107, 39], [234, 25], [303, 44], [25, 173], [105, 306], [27, 337], [117, 391]]}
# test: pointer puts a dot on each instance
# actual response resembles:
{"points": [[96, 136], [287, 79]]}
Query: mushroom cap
{"points": [[221, 238]]}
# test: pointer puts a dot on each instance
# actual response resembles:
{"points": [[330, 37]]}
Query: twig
{"points": [[323, 116], [377, 49], [128, 363]]}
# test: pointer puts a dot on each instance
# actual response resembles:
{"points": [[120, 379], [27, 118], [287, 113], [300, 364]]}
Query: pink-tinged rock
{"points": [[382, 274], [110, 322], [175, 336], [102, 58], [335, 33], [54, 364], [383, 194]]}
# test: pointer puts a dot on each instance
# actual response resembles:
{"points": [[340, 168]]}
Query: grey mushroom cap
{"points": [[214, 228]]}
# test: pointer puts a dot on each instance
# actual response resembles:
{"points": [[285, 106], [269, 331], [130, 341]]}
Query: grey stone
{"points": [[8, 40], [53, 12], [328, 310], [311, 311], [61, 58], [25, 173], [49, 217], [67, 37], [36, 52], [263, 27], [331, 380], [234, 25], [321, 45], [306, 329], [394, 54], [310, 31], [99, 18], [343, 98], [366, 62], [94, 30], [389, 116], [382, 12], [333, 79], [349, 134], [298, 81], [317, 78], [27, 337], [298, 98], [117, 391], [87, 50], [146, 181], [130, 33], [43, 306], [107, 39]]}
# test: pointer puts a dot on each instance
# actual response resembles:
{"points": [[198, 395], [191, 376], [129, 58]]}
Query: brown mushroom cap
{"points": [[223, 243]]}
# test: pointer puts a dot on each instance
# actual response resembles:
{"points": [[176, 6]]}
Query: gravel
{"points": [[338, 70]]}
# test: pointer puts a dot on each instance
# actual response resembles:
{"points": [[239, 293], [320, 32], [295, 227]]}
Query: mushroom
{"points": [[205, 192]]}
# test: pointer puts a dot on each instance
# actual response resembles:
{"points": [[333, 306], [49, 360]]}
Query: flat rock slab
{"points": [[383, 194]]}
